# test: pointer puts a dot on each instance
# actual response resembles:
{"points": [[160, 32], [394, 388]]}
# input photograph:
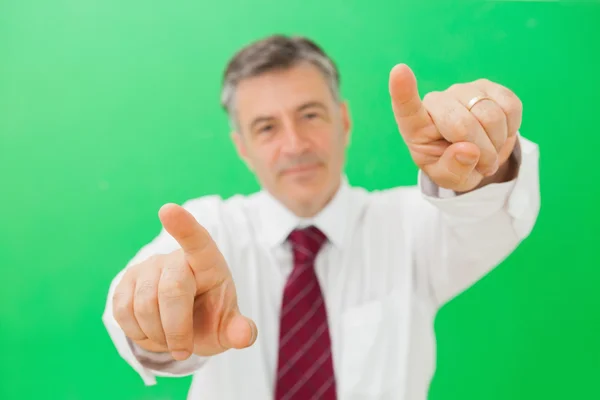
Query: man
{"points": [[311, 288]]}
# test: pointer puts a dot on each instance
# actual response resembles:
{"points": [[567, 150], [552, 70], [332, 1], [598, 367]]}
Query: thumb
{"points": [[235, 331], [409, 112], [238, 331], [455, 168]]}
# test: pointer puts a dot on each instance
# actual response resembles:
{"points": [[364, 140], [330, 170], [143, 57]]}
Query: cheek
{"points": [[333, 144], [266, 158]]}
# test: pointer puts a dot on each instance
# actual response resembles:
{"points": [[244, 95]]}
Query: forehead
{"points": [[279, 91]]}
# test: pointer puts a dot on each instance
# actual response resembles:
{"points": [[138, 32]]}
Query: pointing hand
{"points": [[455, 142], [183, 302]]}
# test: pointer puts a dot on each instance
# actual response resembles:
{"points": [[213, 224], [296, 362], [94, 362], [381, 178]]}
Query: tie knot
{"points": [[306, 243]]}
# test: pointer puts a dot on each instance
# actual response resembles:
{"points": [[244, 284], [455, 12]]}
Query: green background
{"points": [[108, 109]]}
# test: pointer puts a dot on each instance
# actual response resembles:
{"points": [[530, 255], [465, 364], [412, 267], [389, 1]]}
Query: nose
{"points": [[294, 141]]}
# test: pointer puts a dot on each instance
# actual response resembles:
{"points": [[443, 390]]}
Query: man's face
{"points": [[293, 135]]}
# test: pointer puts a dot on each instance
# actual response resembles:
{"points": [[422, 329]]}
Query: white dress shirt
{"points": [[393, 258]]}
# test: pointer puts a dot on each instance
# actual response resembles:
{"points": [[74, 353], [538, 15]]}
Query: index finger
{"points": [[183, 227], [409, 112]]}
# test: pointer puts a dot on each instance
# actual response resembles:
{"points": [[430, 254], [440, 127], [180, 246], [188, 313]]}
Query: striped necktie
{"points": [[305, 365]]}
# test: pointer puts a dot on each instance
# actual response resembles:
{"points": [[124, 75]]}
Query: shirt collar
{"points": [[277, 222]]}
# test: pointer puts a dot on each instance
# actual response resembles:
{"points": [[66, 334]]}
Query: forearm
{"points": [[475, 231]]}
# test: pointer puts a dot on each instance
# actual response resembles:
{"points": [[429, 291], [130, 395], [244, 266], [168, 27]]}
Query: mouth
{"points": [[303, 169]]}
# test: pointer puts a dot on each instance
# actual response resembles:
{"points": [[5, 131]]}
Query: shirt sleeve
{"points": [[464, 236], [148, 364]]}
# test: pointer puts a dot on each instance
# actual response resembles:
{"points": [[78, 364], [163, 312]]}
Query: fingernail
{"points": [[492, 170], [465, 159], [180, 355], [254, 332]]}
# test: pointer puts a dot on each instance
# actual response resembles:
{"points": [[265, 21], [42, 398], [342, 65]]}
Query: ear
{"points": [[346, 121], [242, 150]]}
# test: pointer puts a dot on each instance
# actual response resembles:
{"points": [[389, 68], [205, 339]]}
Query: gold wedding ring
{"points": [[476, 100]]}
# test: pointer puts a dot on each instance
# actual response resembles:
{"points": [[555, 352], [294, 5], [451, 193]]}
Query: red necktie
{"points": [[305, 366]]}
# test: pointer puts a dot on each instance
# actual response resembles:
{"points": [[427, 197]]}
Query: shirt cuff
{"points": [[162, 364]]}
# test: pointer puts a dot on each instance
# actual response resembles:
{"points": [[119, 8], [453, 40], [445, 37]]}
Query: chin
{"points": [[309, 198], [310, 183], [305, 195]]}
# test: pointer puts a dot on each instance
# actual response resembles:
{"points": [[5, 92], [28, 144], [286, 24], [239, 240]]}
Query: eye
{"points": [[265, 128], [310, 115]]}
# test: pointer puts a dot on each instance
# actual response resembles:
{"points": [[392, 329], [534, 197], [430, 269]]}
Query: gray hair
{"points": [[272, 53]]}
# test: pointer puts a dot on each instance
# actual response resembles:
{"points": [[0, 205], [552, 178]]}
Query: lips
{"points": [[301, 169]]}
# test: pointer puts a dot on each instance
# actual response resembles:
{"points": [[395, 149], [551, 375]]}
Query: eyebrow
{"points": [[311, 104], [302, 107]]}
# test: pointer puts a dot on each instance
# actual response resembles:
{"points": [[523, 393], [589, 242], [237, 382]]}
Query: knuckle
{"points": [[454, 179], [456, 87], [423, 158], [150, 262], [174, 266], [154, 260], [493, 117], [450, 178], [145, 308], [462, 128], [174, 289], [146, 289], [431, 96], [121, 306], [514, 107], [511, 102], [211, 261], [508, 93]]}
